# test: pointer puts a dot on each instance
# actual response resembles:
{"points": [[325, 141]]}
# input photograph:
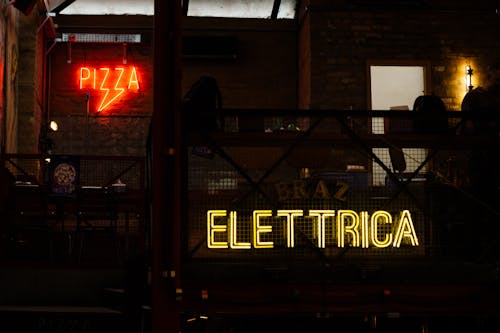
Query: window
{"points": [[395, 87]]}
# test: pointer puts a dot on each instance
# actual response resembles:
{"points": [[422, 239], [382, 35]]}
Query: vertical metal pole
{"points": [[166, 167], [87, 124]]}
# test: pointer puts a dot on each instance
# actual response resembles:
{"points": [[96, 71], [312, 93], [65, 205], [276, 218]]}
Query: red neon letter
{"points": [[106, 70], [109, 98], [120, 90], [91, 78], [133, 79], [84, 75]]}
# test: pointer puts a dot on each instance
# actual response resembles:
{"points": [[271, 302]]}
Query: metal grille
{"points": [[101, 38]]}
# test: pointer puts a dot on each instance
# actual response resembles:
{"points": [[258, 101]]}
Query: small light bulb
{"points": [[53, 126]]}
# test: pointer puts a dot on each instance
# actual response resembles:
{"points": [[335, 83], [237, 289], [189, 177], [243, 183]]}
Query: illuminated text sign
{"points": [[349, 228], [110, 82]]}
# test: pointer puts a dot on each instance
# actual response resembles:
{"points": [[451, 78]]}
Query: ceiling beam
{"points": [[276, 8], [60, 6]]}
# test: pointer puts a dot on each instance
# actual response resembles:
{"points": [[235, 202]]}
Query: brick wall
{"points": [[28, 110], [11, 69], [119, 129], [263, 75], [304, 65], [345, 39]]}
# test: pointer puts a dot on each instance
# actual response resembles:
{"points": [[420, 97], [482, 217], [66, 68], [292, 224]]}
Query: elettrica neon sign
{"points": [[349, 228]]}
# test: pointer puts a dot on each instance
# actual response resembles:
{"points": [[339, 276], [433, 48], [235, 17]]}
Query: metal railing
{"points": [[59, 205]]}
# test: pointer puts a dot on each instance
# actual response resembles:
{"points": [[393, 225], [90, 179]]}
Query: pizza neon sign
{"points": [[110, 83]]}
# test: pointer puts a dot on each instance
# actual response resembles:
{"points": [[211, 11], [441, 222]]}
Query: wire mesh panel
{"points": [[105, 172], [321, 192], [249, 213], [28, 170]]}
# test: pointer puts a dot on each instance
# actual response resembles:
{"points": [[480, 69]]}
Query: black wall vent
{"points": [[209, 47]]}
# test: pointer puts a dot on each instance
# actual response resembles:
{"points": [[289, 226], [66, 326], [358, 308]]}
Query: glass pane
{"points": [[287, 9], [110, 7], [231, 8], [396, 86]]}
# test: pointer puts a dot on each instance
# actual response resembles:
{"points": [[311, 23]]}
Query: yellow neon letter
{"points": [[233, 243], [383, 217], [84, 75], [342, 228], [365, 241], [405, 229], [213, 228], [259, 229], [290, 215], [321, 216], [133, 79]]}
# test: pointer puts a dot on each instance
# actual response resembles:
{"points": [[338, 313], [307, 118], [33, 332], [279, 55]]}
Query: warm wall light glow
{"points": [[468, 77], [109, 82]]}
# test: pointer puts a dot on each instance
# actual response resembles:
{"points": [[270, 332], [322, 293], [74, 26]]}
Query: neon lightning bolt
{"points": [[105, 102]]}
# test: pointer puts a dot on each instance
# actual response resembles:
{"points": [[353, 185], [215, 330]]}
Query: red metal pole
{"points": [[166, 167]]}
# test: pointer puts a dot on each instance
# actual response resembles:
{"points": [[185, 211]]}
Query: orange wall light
{"points": [[109, 83]]}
